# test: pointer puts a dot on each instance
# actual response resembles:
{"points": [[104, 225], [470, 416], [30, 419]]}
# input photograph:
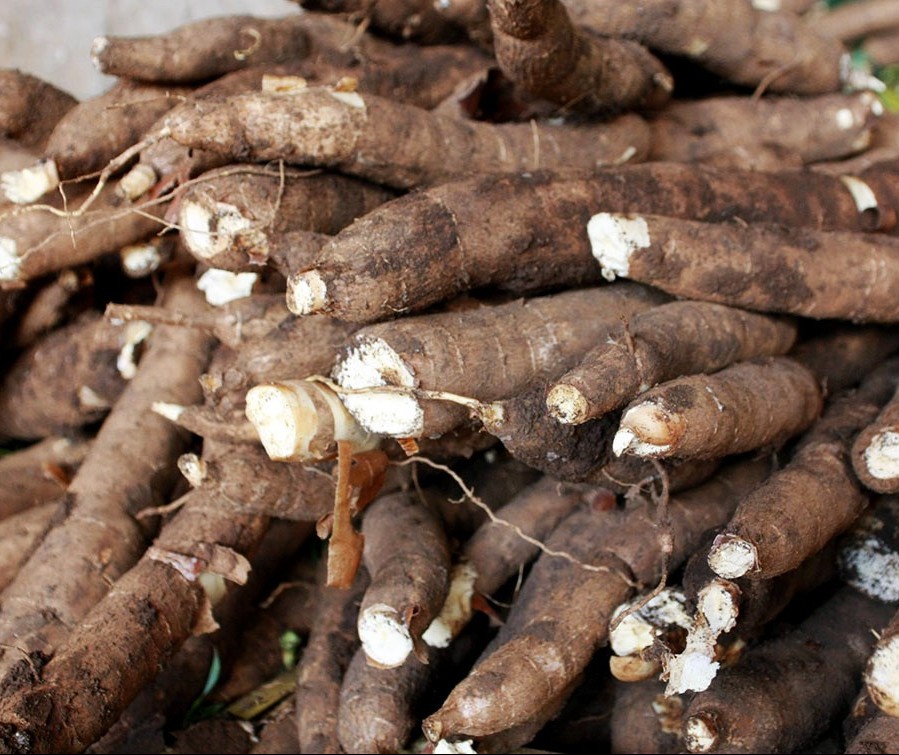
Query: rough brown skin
{"points": [[20, 534], [868, 730], [65, 381], [861, 20], [562, 614], [749, 405], [873, 474], [816, 274], [72, 568], [632, 476], [678, 338], [202, 49], [410, 576], [772, 699], [39, 472], [880, 668], [346, 131], [30, 107], [528, 231], [44, 242], [733, 39], [236, 218], [825, 127], [326, 656], [815, 495], [538, 47], [644, 719], [492, 352]]}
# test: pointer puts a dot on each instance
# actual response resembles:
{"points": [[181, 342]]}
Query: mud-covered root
{"points": [[538, 47], [69, 378], [875, 451], [826, 127], [409, 578], [30, 107], [772, 699], [709, 262], [202, 49], [723, 413], [665, 342], [487, 353], [355, 133], [236, 217]]}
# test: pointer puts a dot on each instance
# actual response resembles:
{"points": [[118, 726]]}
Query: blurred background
{"points": [[52, 38]]}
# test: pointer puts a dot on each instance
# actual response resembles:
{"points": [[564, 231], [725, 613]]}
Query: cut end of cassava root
{"points": [[732, 557], [30, 184], [307, 293], [136, 182], [207, 230], [882, 676], [700, 733], [384, 636], [223, 286], [613, 238], [456, 611], [368, 365], [647, 429], [882, 455], [300, 420], [567, 404], [10, 263], [638, 630]]}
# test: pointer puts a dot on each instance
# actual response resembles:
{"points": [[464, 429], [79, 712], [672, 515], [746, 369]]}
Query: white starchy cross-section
{"points": [[456, 611], [462, 747], [223, 286], [871, 567], [370, 364], [29, 184], [136, 182], [613, 239], [9, 259], [731, 557], [384, 636], [566, 403], [139, 260], [307, 293], [691, 671], [638, 630], [882, 675], [136, 331], [715, 603], [207, 232], [882, 455], [699, 735]]}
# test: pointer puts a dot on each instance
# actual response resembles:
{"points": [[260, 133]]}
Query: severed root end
{"points": [[882, 676], [691, 671], [307, 293], [10, 262], [647, 429], [633, 668], [457, 608], [613, 239], [700, 733], [211, 229], [136, 332], [136, 182], [718, 603], [463, 747], [29, 184], [300, 420], [140, 260], [98, 46], [567, 404], [384, 636], [223, 286], [882, 455], [638, 630], [732, 557]]}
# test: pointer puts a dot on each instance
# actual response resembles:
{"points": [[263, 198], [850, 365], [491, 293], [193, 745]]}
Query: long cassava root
{"points": [[471, 376]]}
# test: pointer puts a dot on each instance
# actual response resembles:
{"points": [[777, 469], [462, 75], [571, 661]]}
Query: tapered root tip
{"points": [[732, 557], [882, 455], [307, 293], [882, 676], [384, 636], [613, 239], [29, 184], [700, 733], [567, 404]]}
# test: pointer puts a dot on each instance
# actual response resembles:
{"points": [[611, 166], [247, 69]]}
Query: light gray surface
{"points": [[52, 38]]}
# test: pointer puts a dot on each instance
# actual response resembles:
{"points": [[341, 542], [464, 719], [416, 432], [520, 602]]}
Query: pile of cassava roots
{"points": [[473, 376]]}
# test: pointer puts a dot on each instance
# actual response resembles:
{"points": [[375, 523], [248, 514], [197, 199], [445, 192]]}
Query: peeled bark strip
{"points": [[826, 127], [812, 498], [332, 644], [736, 40], [234, 217], [525, 232], [773, 699], [849, 276], [90, 135], [391, 143], [749, 405], [562, 614], [409, 578], [67, 380], [30, 107], [875, 452], [538, 47], [665, 342], [487, 353], [131, 465], [202, 49]]}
